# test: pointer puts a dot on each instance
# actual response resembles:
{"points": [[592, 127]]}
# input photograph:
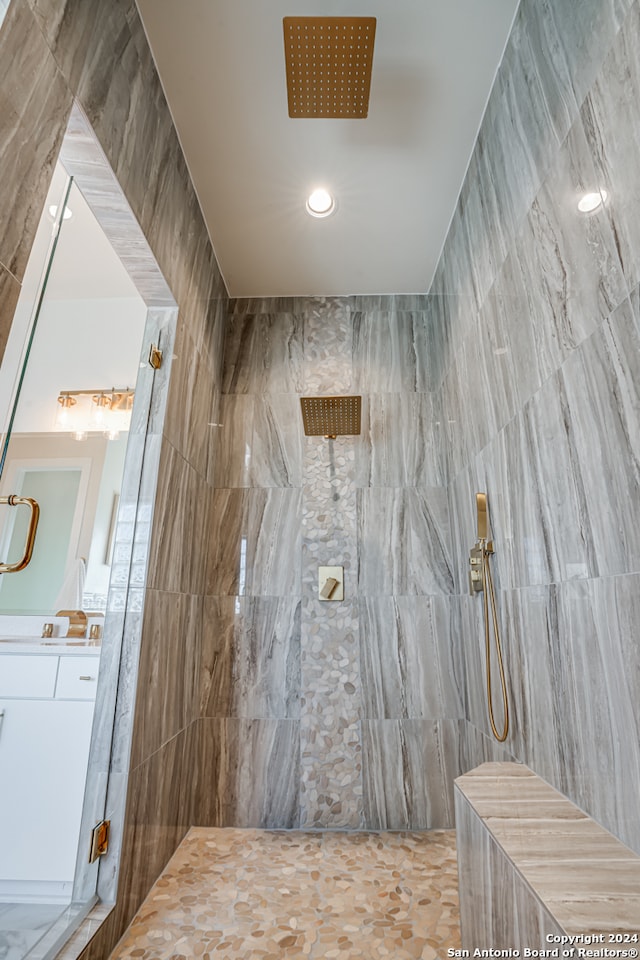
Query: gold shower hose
{"points": [[489, 594]]}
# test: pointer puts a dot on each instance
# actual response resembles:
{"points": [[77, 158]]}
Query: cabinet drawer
{"points": [[77, 678], [25, 676]]}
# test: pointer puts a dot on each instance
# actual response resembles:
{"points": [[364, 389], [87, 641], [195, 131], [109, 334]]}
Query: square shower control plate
{"points": [[330, 583]]}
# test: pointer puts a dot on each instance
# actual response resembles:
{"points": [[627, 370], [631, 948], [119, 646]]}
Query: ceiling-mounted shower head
{"points": [[330, 417], [329, 61]]}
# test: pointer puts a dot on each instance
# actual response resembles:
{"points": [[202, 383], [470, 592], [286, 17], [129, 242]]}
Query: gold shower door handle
{"points": [[14, 501]]}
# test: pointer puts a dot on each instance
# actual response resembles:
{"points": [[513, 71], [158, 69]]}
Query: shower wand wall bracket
{"points": [[477, 553], [475, 569]]}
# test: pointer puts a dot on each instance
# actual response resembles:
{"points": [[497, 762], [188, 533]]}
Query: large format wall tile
{"points": [[377, 346], [260, 442], [397, 447], [602, 386], [216, 672], [534, 337], [250, 660], [389, 352], [408, 666], [476, 747], [263, 353], [183, 504], [569, 262], [191, 401], [408, 771], [9, 293], [599, 620], [571, 692], [254, 542], [169, 664], [248, 772], [610, 118], [157, 819], [35, 107], [403, 542], [586, 41]]}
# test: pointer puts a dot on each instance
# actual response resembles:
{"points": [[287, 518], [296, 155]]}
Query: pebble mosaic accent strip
{"points": [[331, 793], [265, 895], [328, 346]]}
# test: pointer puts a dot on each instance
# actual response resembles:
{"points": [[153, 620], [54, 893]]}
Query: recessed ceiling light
{"points": [[320, 203], [53, 212], [589, 202]]}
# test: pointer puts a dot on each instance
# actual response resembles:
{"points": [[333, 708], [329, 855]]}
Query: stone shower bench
{"points": [[531, 865]]}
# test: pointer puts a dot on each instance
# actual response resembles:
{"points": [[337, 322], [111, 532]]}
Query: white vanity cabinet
{"points": [[46, 712]]}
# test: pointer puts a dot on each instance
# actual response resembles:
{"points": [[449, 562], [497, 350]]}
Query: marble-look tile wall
{"points": [[339, 714], [55, 52], [532, 864], [535, 360]]}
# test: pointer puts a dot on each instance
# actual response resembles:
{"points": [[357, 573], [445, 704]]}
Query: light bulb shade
{"points": [[65, 414], [99, 411], [81, 412]]}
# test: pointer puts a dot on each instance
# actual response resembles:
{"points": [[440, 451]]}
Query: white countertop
{"points": [[53, 645]]}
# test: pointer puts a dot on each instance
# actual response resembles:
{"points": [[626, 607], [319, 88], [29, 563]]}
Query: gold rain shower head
{"points": [[330, 417], [329, 61]]}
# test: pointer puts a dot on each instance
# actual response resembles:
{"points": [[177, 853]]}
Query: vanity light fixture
{"points": [[589, 202], [105, 411], [320, 203]]}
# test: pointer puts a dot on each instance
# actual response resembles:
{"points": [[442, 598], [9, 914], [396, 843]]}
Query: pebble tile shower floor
{"points": [[266, 895]]}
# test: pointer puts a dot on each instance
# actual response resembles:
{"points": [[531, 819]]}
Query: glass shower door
{"points": [[72, 377]]}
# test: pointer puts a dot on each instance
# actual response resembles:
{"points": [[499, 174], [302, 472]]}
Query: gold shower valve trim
{"points": [[328, 62]]}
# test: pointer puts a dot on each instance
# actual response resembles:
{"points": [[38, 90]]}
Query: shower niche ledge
{"points": [[534, 868]]}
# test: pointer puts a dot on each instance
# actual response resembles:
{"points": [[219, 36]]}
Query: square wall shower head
{"points": [[331, 416], [329, 62]]}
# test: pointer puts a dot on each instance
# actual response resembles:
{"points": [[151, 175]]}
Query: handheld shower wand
{"points": [[481, 581]]}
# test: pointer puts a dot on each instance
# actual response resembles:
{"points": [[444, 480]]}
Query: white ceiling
{"points": [[396, 175], [85, 266]]}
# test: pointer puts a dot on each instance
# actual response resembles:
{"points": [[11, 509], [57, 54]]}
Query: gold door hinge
{"points": [[99, 840], [155, 357]]}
